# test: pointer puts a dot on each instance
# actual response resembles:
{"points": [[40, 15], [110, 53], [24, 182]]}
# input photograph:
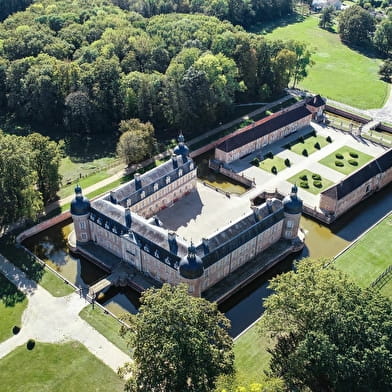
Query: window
{"points": [[191, 166], [82, 225], [288, 233], [290, 224], [179, 172], [156, 187], [84, 236], [142, 195], [167, 180]]}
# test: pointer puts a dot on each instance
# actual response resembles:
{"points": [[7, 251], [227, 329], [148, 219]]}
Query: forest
{"points": [[82, 67]]}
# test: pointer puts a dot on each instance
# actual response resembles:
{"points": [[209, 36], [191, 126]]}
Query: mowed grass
{"points": [[12, 304], [251, 356], [339, 73], [347, 168], [370, 256], [106, 325], [268, 163], [296, 179], [66, 367], [308, 144]]}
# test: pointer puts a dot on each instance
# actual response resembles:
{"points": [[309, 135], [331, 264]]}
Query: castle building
{"points": [[123, 223]]}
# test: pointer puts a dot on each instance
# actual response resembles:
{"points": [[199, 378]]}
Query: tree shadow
{"points": [[268, 27], [9, 294], [366, 49]]}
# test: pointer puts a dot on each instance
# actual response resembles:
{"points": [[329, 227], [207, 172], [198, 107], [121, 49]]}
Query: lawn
{"points": [[370, 256], [308, 144], [12, 304], [251, 356], [299, 179], [268, 163], [34, 270], [106, 325], [66, 367], [339, 73], [347, 168]]}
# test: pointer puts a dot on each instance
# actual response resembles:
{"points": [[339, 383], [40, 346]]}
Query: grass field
{"points": [[308, 144], [296, 179], [339, 72], [370, 256], [106, 325], [68, 367], [330, 160], [268, 163], [12, 305]]}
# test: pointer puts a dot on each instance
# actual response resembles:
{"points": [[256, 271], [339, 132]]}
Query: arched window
{"points": [[156, 187], [167, 180], [142, 195]]}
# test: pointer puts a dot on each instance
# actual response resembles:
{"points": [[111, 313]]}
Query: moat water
{"points": [[245, 306]]}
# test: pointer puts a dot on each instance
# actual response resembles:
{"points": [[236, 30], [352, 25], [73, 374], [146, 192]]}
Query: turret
{"points": [[191, 270], [181, 148], [80, 211], [292, 206]]}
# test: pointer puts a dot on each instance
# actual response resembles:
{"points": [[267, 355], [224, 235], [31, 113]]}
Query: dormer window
{"points": [[107, 226], [156, 187], [146, 248], [156, 254], [191, 166], [142, 194], [129, 202], [179, 172], [167, 180]]}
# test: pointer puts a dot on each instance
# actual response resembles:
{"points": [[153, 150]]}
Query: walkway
{"points": [[55, 320]]}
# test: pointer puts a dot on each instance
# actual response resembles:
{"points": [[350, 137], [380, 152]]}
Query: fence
{"points": [[383, 279], [344, 113]]}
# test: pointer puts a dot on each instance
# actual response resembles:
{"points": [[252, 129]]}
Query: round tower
{"points": [[292, 206], [80, 211], [181, 148], [191, 270]]}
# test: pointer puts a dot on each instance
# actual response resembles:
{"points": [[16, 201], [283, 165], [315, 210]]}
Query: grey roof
{"points": [[292, 203], [264, 127], [316, 101], [240, 232], [360, 176], [157, 175]]}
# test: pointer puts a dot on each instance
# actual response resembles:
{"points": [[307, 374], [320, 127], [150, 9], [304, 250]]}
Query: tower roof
{"points": [[292, 203], [80, 205]]}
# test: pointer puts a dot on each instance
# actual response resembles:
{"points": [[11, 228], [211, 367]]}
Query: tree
{"points": [[386, 70], [383, 36], [326, 17], [45, 161], [137, 140], [355, 25], [329, 334], [19, 197], [180, 343], [303, 60]]}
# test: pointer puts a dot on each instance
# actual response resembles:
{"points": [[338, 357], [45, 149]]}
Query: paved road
{"points": [[55, 320]]}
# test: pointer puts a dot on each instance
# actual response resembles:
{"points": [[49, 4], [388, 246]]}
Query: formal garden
{"points": [[346, 160], [56, 367], [309, 144], [311, 182], [271, 163]]}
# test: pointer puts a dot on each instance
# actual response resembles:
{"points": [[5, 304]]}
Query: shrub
{"points": [[255, 161], [274, 170], [339, 163], [316, 176], [287, 162], [353, 162], [15, 330], [30, 344], [313, 133], [317, 184], [301, 139], [317, 145], [304, 184], [305, 152], [353, 154], [328, 139], [339, 156], [304, 177], [270, 155]]}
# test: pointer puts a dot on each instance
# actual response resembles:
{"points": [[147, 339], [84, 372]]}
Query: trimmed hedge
{"points": [[353, 162], [274, 170], [287, 162], [353, 154], [328, 139], [317, 184], [339, 163], [304, 177], [305, 152], [316, 177], [255, 161], [339, 156], [317, 146], [304, 184]]}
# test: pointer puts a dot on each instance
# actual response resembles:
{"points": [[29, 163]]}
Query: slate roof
{"points": [[263, 127], [158, 175], [316, 101], [360, 176]]}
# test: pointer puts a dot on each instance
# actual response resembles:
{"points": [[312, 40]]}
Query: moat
{"points": [[245, 306]]}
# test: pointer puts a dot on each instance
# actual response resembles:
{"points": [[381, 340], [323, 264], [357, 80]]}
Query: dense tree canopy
{"points": [[383, 36], [180, 343], [85, 66], [7, 7], [330, 335]]}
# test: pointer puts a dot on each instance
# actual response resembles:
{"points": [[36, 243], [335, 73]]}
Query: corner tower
{"points": [[80, 211], [292, 206], [191, 270]]}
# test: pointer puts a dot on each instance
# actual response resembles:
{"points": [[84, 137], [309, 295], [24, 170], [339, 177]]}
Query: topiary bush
{"points": [[287, 162], [317, 184], [15, 330], [30, 344], [353, 162], [305, 152], [339, 163], [339, 156], [304, 184], [316, 176], [269, 155], [255, 161], [328, 139], [313, 133], [274, 170], [304, 177], [353, 154], [301, 139], [317, 145]]}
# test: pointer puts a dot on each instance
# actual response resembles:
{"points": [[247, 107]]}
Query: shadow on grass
{"points": [[9, 294], [268, 27]]}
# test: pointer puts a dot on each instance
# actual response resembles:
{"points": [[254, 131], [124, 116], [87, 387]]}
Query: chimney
{"points": [[269, 205], [128, 218], [206, 244], [138, 181], [112, 198], [173, 246], [175, 162], [255, 212]]}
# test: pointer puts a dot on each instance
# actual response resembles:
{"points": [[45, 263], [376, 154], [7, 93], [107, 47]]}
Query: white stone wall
{"points": [[106, 239], [82, 228]]}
